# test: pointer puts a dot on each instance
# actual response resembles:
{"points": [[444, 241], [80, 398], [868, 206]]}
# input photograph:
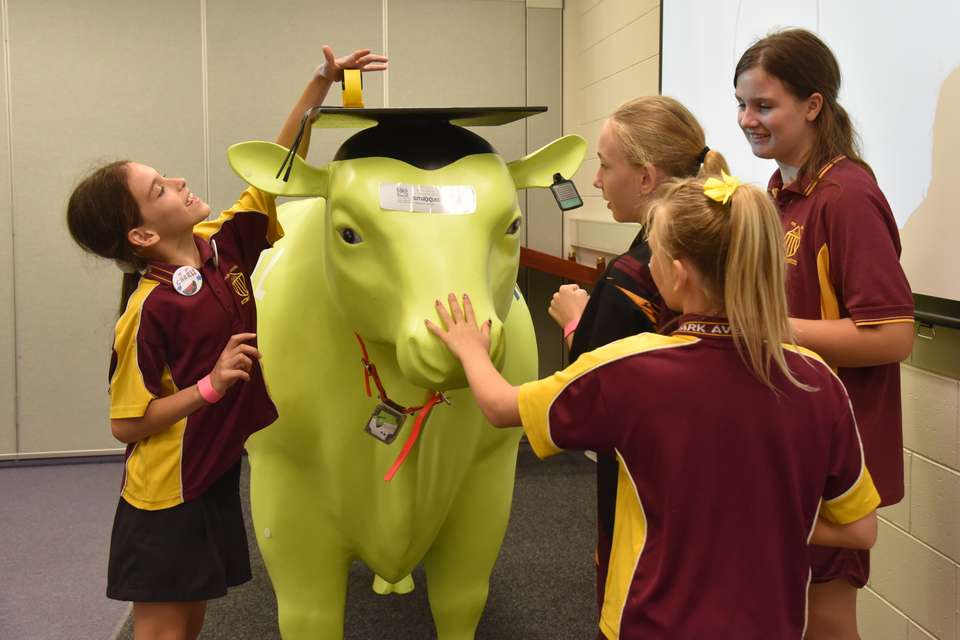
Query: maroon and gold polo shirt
{"points": [[165, 341], [843, 261], [624, 302], [721, 479]]}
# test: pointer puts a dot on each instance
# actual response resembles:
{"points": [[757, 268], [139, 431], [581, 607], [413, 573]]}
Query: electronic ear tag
{"points": [[385, 423], [565, 193]]}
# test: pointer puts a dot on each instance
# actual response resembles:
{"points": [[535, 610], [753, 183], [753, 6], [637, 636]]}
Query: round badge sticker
{"points": [[187, 281]]}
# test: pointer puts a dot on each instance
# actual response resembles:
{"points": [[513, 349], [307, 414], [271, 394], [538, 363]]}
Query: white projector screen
{"points": [[901, 85]]}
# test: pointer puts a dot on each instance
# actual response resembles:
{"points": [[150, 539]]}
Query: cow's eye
{"points": [[514, 227], [350, 236]]}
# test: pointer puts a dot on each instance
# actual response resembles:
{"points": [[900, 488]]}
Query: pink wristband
{"points": [[207, 392], [570, 327]]}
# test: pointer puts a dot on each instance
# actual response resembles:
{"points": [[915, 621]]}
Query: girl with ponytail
{"points": [[735, 447], [646, 141], [847, 295]]}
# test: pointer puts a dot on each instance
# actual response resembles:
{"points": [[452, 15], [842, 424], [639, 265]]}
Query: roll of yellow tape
{"points": [[352, 88]]}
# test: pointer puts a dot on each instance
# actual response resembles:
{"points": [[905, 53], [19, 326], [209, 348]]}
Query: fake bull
{"points": [[405, 213]]}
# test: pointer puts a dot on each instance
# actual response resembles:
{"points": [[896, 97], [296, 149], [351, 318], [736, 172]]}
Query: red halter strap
{"points": [[370, 371]]}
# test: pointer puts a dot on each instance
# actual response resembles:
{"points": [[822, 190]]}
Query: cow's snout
{"points": [[426, 361]]}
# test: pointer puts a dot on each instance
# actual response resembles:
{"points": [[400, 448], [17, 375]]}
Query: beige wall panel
{"points": [[8, 350], [603, 97], [637, 41], [571, 55], [582, 6], [917, 580], [931, 404], [118, 80], [916, 633], [457, 53], [610, 16], [877, 620], [259, 60], [544, 75], [933, 514], [544, 87], [591, 133]]}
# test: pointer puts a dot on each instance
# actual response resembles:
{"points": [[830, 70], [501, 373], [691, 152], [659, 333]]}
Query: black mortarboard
{"points": [[428, 138]]}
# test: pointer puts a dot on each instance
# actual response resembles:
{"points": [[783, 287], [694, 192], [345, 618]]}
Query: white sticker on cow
{"points": [[428, 198]]}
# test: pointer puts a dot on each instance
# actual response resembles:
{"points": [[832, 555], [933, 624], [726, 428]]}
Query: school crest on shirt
{"points": [[239, 283], [791, 242]]}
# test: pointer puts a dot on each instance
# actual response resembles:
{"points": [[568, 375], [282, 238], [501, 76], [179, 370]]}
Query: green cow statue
{"points": [[408, 211]]}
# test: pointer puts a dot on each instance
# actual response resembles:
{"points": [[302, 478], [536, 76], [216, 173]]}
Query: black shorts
{"points": [[189, 552]]}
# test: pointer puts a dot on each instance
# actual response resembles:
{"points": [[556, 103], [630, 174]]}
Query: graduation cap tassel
{"points": [[288, 160]]}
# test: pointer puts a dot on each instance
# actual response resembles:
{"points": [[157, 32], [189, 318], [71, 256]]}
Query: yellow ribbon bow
{"points": [[721, 189]]}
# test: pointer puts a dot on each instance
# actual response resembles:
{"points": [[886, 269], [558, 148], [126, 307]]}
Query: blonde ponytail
{"points": [[713, 164], [754, 287], [737, 250], [660, 131]]}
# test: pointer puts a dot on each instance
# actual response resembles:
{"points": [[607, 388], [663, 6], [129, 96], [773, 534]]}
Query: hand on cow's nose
{"points": [[460, 332]]}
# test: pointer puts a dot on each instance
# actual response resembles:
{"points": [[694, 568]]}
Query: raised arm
{"points": [[316, 90]]}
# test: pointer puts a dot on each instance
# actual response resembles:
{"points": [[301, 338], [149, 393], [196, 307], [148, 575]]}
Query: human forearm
{"points": [[860, 534], [232, 366], [497, 398], [844, 344], [313, 95], [161, 414]]}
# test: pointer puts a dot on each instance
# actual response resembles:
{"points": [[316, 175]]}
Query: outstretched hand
{"points": [[460, 331], [362, 59], [495, 396]]}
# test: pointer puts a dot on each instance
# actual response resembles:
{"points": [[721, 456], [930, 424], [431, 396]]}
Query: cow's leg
{"points": [[305, 558], [311, 594], [459, 563]]}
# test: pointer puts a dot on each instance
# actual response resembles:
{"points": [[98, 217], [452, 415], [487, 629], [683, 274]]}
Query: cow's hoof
{"points": [[383, 588], [404, 586]]}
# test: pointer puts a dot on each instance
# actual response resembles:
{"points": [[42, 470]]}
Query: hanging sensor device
{"points": [[565, 193]]}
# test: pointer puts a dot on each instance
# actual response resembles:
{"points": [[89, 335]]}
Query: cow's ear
{"points": [[563, 155], [257, 163]]}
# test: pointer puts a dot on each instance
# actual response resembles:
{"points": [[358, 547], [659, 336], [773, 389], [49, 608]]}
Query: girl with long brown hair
{"points": [[186, 387], [847, 295]]}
